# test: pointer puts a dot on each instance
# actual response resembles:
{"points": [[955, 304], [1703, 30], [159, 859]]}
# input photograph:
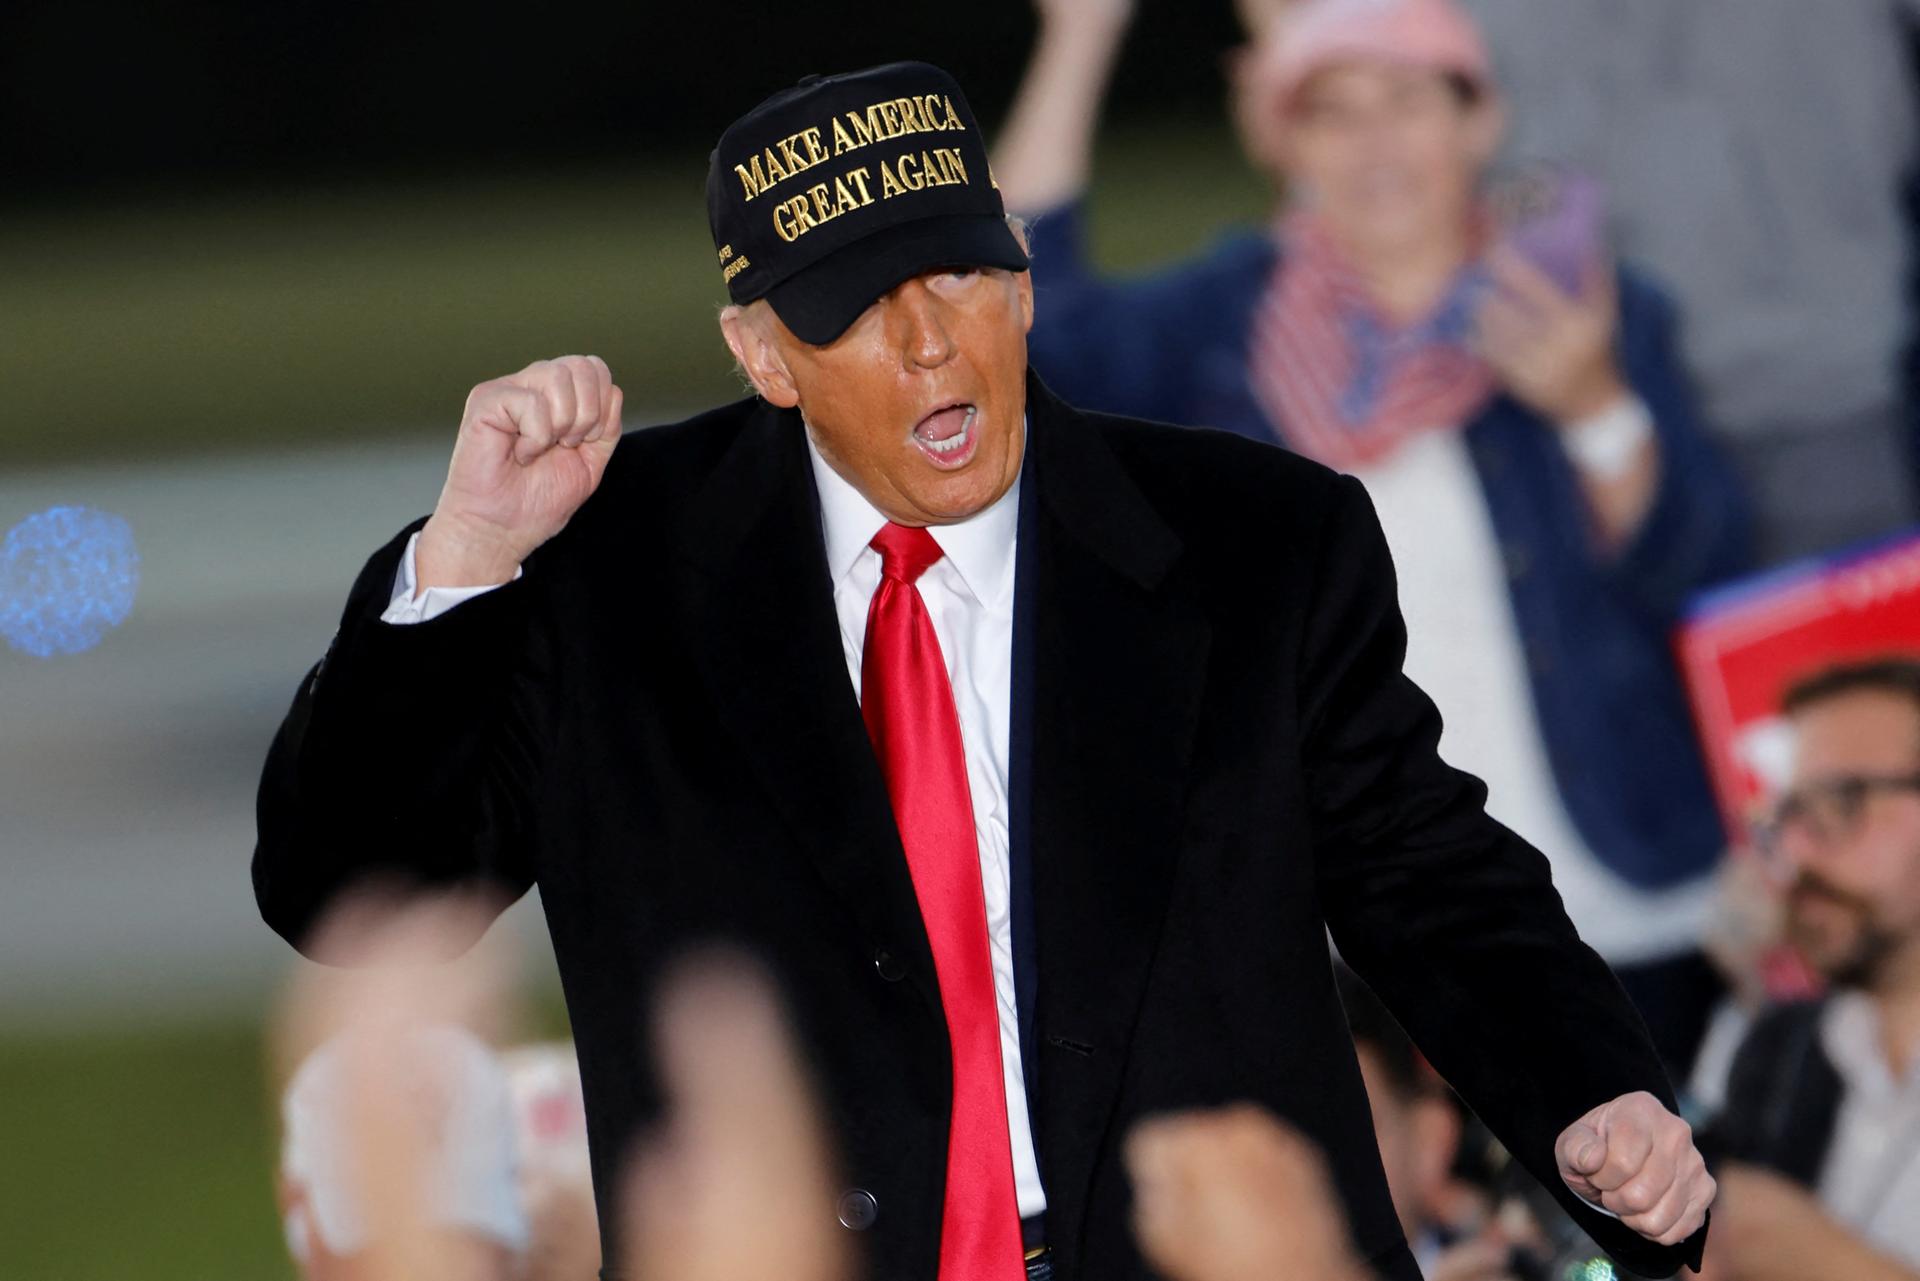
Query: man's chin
{"points": [[1851, 962], [951, 497]]}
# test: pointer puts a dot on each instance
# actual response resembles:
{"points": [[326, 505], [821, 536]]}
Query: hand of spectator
{"points": [[1759, 1222], [1099, 17], [1766, 1228], [1552, 350], [1234, 1195], [1044, 155], [736, 1182], [1637, 1159], [1746, 923], [397, 1094], [1481, 1259]]}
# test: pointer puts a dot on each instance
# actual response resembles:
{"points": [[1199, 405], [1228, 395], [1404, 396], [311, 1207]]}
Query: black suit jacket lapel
{"points": [[1118, 653], [762, 628]]}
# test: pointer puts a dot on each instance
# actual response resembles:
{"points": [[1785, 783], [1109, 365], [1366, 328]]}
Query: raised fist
{"points": [[531, 450]]}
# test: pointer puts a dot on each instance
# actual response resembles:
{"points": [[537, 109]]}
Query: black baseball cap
{"points": [[832, 192]]}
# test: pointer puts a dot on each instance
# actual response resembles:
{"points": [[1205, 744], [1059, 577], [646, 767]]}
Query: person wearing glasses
{"points": [[1820, 1133]]}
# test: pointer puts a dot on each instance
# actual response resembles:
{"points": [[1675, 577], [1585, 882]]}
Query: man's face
{"points": [[921, 404], [1849, 840]]}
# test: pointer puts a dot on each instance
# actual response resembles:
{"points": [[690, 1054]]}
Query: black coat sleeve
{"points": [[409, 757], [1449, 916]]}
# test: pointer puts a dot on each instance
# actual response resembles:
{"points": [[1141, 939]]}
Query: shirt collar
{"points": [[1850, 1034], [981, 546]]}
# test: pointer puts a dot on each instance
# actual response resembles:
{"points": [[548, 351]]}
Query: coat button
{"points": [[888, 966], [858, 1210]]}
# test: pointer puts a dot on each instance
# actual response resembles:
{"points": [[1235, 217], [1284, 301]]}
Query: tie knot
{"points": [[906, 551]]}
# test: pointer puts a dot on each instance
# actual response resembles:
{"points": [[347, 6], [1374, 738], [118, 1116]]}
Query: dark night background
{"points": [[96, 93]]}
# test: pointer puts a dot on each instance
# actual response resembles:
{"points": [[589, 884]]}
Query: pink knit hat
{"points": [[1315, 34]]}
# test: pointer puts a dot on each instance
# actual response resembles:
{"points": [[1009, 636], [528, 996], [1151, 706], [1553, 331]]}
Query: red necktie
{"points": [[907, 701]]}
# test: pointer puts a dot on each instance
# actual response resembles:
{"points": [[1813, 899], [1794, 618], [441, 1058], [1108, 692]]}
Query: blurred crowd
{"points": [[1606, 302]]}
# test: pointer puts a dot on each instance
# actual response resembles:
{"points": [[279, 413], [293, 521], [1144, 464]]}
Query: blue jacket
{"points": [[1596, 627]]}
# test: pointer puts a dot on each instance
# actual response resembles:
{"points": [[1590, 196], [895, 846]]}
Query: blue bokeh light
{"points": [[68, 576]]}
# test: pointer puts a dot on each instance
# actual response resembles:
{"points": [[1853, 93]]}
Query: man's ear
{"points": [[757, 355]]}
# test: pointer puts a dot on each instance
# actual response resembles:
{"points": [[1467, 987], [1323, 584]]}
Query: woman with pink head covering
{"points": [[1512, 401]]}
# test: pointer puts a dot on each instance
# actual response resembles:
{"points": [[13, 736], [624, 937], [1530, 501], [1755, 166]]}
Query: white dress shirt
{"points": [[969, 595], [1871, 1179], [1465, 650]]}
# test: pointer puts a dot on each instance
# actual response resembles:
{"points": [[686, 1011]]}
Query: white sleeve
{"points": [[435, 601]]}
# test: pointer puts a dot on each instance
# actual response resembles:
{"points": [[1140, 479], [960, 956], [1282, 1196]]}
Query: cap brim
{"points": [[821, 301]]}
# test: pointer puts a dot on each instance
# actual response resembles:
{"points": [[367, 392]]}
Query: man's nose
{"points": [[924, 339], [1795, 847]]}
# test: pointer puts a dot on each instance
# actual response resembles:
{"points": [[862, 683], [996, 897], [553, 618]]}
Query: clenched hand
{"points": [[1637, 1159], [532, 448]]}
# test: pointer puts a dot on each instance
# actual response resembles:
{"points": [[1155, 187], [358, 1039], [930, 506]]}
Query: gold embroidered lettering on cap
{"points": [[843, 197], [814, 288], [753, 179], [951, 164], [793, 154], [889, 185], [799, 219], [783, 223]]}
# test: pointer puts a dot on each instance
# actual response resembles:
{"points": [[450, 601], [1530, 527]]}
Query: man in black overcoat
{"points": [[1083, 873]]}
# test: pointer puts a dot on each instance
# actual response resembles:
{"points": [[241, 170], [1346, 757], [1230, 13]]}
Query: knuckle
{"points": [[1635, 1198], [491, 390]]}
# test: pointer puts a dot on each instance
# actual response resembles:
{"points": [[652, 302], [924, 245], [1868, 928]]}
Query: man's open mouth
{"points": [[946, 436]]}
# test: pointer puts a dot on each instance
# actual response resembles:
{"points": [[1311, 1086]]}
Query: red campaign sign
{"points": [[1743, 645]]}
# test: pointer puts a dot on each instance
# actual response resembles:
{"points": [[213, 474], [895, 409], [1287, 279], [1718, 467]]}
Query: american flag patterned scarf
{"points": [[1339, 382]]}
